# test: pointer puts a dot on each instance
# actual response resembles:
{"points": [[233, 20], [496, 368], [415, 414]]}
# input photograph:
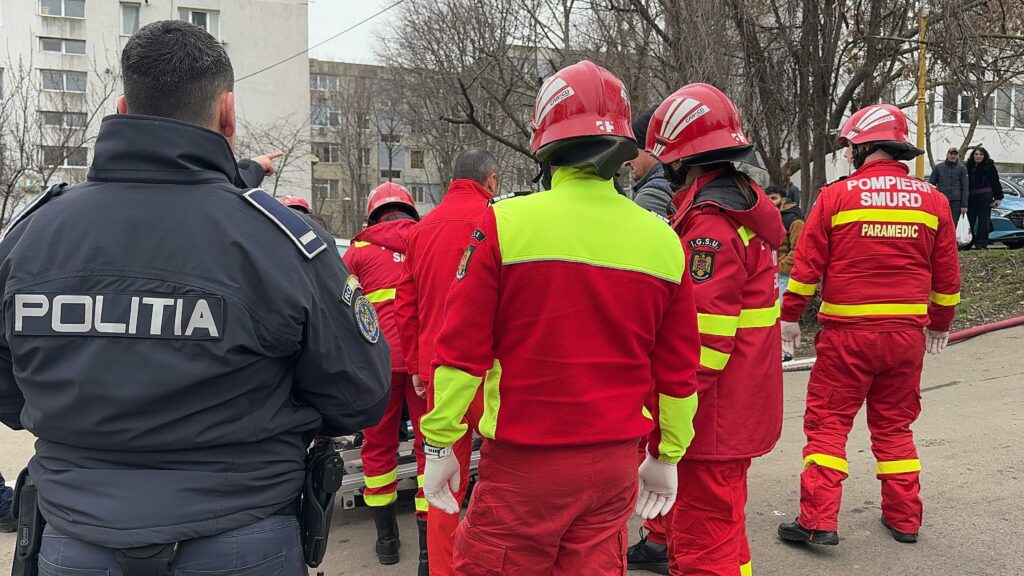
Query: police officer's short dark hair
{"points": [[475, 164], [174, 69]]}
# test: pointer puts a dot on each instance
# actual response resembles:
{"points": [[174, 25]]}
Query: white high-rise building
{"points": [[70, 51]]}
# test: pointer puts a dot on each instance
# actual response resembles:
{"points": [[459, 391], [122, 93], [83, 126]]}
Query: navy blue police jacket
{"points": [[174, 342]]}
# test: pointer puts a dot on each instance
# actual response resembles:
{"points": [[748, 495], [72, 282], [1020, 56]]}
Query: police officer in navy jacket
{"points": [[175, 342]]}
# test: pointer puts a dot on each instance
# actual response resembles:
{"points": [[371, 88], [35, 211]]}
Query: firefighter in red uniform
{"points": [[434, 249], [570, 307], [730, 232], [883, 245], [376, 258]]}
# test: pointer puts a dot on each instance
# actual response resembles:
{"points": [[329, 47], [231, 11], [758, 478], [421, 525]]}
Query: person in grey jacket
{"points": [[652, 190], [950, 177]]}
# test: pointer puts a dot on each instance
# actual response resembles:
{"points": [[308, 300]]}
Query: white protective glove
{"points": [[935, 341], [658, 482], [440, 479], [790, 336]]}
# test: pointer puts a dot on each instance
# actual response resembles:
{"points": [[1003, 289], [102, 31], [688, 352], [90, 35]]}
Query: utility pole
{"points": [[922, 87]]}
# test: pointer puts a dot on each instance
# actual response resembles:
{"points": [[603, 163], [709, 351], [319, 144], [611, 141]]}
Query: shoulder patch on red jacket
{"points": [[702, 265], [464, 263], [705, 244]]}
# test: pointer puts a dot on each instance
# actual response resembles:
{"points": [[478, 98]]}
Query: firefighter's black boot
{"points": [[794, 532], [384, 517], [904, 537], [648, 556], [424, 569]]}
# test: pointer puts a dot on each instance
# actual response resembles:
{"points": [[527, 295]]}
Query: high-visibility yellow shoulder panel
{"points": [[583, 219]]}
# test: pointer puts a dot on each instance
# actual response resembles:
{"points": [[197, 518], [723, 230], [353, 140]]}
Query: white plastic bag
{"points": [[963, 231]]}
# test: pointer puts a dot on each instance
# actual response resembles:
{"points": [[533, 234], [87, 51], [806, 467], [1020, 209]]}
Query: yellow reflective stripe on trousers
{"points": [[746, 570], [883, 215], [746, 235], [827, 461], [713, 359], [898, 466], [382, 480], [873, 309], [801, 288], [717, 324], [760, 317], [381, 295], [421, 503], [492, 401], [675, 418], [945, 299], [376, 500]]}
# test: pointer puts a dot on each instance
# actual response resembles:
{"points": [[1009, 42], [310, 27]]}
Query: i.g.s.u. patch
{"points": [[705, 243], [366, 319], [702, 265], [467, 256], [349, 291]]}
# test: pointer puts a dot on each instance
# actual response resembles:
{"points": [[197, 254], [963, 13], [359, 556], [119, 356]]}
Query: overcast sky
{"points": [[328, 17]]}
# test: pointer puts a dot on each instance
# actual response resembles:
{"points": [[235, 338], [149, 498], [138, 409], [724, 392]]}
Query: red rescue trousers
{"points": [[380, 447], [441, 526], [883, 368], [556, 511]]}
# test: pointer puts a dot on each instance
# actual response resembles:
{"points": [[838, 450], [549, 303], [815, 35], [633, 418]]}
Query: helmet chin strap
{"points": [[860, 153]]}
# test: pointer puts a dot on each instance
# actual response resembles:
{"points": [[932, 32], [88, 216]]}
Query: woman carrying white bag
{"points": [[963, 231]]}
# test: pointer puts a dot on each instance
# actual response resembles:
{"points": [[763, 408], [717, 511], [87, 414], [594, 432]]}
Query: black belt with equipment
{"points": [[324, 472]]}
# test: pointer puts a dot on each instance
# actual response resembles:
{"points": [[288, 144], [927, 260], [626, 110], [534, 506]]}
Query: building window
{"points": [[64, 80], [328, 189], [417, 192], [327, 153], [997, 110], [391, 138], [391, 174], [62, 45], [208, 20], [56, 156], [129, 18], [416, 160], [363, 121], [62, 8], [364, 157], [324, 116], [324, 82], [65, 119]]}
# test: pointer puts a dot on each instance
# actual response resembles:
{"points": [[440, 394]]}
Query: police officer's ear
{"points": [[224, 116], [122, 104]]}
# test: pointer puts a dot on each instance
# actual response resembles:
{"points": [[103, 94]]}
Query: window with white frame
{"points": [[208, 20], [363, 121], [65, 157], [391, 174], [129, 18], [61, 45], [324, 82], [65, 119], [64, 80], [62, 8], [327, 153], [326, 188], [1003, 108], [325, 116]]}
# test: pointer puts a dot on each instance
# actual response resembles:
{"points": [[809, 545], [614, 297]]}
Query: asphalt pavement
{"points": [[971, 442]]}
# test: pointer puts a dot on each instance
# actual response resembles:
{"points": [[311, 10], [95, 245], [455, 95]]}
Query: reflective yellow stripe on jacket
{"points": [[883, 215], [880, 309], [945, 299], [382, 295], [726, 325]]}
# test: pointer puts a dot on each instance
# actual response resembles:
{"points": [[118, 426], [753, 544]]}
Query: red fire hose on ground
{"points": [[966, 334]]}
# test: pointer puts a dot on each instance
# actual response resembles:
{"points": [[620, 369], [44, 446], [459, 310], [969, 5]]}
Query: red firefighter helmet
{"points": [[883, 124], [390, 195], [296, 203], [582, 116], [698, 124]]}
